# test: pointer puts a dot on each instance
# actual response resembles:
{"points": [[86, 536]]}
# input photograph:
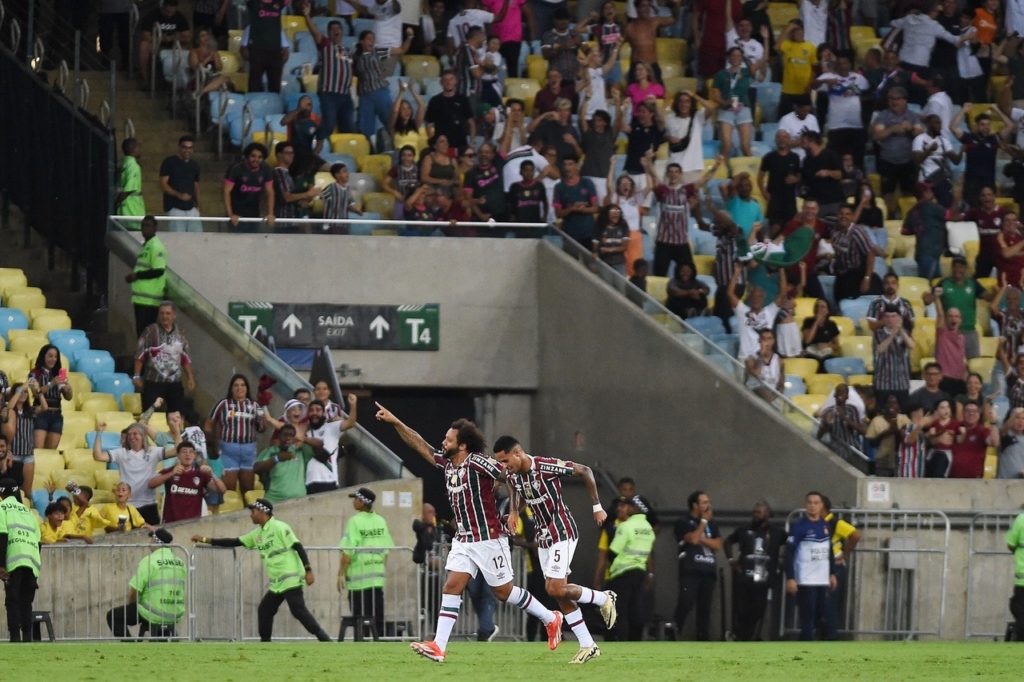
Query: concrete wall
{"points": [[486, 288]]}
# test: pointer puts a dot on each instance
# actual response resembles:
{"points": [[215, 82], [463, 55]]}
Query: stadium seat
{"points": [[26, 299], [353, 144], [361, 183], [232, 502], [116, 421], [379, 202], [269, 140], [862, 32], [745, 164], [793, 385], [132, 402], [80, 385], [858, 347], [846, 367], [982, 366], [12, 318], [670, 50], [672, 69], [376, 165], [847, 327], [657, 288], [14, 365], [987, 346], [707, 325], [108, 440], [27, 341], [419, 67], [860, 380], [107, 479], [81, 459], [47, 462], [69, 341], [801, 367], [525, 89], [824, 383], [231, 102], [856, 308], [94, 362], [12, 277], [253, 495], [93, 403], [61, 477], [912, 288], [158, 420], [115, 384], [809, 403], [291, 102], [49, 322], [76, 425], [537, 68]]}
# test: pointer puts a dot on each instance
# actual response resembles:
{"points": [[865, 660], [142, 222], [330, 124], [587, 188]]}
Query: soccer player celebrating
{"points": [[287, 566], [535, 481], [478, 545]]}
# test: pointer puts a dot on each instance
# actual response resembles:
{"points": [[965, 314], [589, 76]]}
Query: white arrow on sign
{"points": [[379, 326], [291, 324]]}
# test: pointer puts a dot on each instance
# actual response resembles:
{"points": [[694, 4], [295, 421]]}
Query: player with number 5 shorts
{"points": [[534, 481], [479, 544]]}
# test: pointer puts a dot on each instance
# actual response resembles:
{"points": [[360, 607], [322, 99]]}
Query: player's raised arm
{"points": [[410, 437], [585, 472]]}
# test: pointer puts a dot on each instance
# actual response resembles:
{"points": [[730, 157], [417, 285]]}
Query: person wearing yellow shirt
{"points": [[845, 537], [119, 516], [84, 518], [55, 528], [798, 60]]}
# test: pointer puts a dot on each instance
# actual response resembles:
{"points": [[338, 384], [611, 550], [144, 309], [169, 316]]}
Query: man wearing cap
{"points": [[286, 463], [364, 551], [287, 567], [156, 593], [631, 549], [962, 292], [19, 560]]}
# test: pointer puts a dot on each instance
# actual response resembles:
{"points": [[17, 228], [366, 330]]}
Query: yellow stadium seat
{"points": [[781, 13], [912, 288], [47, 461], [81, 459], [353, 144], [379, 202], [537, 68], [36, 312], [525, 89], [988, 345], [893, 228], [801, 367], [107, 479], [76, 425], [1006, 202], [27, 342], [12, 277], [721, 174], [847, 327], [862, 32], [292, 24], [677, 84], [13, 289], [235, 40], [982, 366], [14, 365], [804, 308], [983, 317], [25, 301], [705, 264], [672, 69], [991, 463], [51, 322], [269, 140], [232, 502], [94, 403], [116, 421], [239, 81], [823, 383], [906, 203], [670, 50], [858, 347], [745, 164], [80, 385], [309, 82], [420, 67], [158, 420], [3, 344], [979, 108], [132, 402], [230, 62], [60, 478], [810, 402], [252, 496], [376, 165], [861, 47], [860, 380], [657, 288]]}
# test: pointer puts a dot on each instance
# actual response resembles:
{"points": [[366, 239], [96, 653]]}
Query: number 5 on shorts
{"points": [[558, 556]]}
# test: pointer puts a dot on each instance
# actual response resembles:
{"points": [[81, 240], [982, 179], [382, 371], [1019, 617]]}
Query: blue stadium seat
{"points": [[69, 341], [361, 24], [113, 383], [845, 366], [855, 308], [730, 343], [364, 229], [828, 285], [233, 108], [712, 285], [346, 159], [11, 318], [711, 148], [707, 325], [904, 267], [768, 131], [108, 440], [274, 125], [431, 87], [93, 363], [1002, 408], [305, 46], [703, 242], [262, 104], [321, 23], [768, 95], [350, 42], [291, 101], [793, 385]]}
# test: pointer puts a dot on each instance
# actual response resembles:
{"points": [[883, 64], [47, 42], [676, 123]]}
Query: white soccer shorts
{"points": [[491, 557], [556, 559]]}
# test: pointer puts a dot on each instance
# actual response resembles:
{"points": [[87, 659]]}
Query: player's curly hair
{"points": [[469, 434]]}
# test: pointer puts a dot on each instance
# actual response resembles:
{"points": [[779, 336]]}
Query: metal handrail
{"points": [[222, 108], [248, 119], [351, 221], [104, 113], [129, 128], [197, 95], [38, 54], [82, 93], [3, 13], [154, 57], [133, 26], [175, 69], [634, 293], [15, 35], [62, 77]]}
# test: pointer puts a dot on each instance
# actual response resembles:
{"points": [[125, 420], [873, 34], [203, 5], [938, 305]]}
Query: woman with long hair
{"points": [[204, 57], [236, 420], [438, 167], [611, 234], [624, 194], [684, 131], [54, 386], [644, 86], [731, 91], [406, 123], [820, 333], [17, 430], [687, 295], [403, 179]]}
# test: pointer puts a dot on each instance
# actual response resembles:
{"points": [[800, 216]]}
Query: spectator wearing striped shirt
{"points": [[854, 264], [468, 67], [18, 430], [841, 423], [290, 202], [374, 96], [892, 344], [237, 419], [334, 88]]}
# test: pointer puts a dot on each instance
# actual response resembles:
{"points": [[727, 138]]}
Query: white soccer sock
{"points": [[579, 628], [446, 617], [522, 599], [589, 596]]}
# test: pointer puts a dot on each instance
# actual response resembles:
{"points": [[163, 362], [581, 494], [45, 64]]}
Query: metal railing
{"points": [[989, 575], [895, 583], [154, 58], [689, 336]]}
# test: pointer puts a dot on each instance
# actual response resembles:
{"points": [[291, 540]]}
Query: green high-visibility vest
{"points": [[160, 584], [364, 533], [152, 257], [22, 529], [633, 542]]}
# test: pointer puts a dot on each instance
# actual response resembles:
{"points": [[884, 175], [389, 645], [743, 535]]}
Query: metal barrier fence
{"points": [[80, 584], [989, 575], [895, 585]]}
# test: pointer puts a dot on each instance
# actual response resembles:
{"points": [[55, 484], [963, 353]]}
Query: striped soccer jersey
{"points": [[541, 488], [237, 419], [470, 488]]}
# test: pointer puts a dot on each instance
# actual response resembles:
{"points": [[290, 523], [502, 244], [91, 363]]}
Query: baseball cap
{"points": [[8, 486], [365, 495], [959, 260], [163, 536], [263, 505], [640, 503], [295, 403]]}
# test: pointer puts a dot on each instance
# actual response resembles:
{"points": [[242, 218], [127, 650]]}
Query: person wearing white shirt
{"points": [[814, 14], [742, 36], [845, 125], [528, 152], [753, 314], [387, 22], [1014, 16], [931, 152], [920, 31], [465, 20], [325, 439], [684, 131], [973, 85], [939, 103], [799, 120]]}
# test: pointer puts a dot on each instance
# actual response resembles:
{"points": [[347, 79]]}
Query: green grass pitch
{"points": [[482, 662]]}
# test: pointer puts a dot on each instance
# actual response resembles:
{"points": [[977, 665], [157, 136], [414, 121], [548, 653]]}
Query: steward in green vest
{"points": [[149, 278], [129, 201], [19, 559], [156, 594], [286, 563], [631, 547], [363, 565]]}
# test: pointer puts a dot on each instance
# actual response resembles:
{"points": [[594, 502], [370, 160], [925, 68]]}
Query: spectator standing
{"points": [[162, 359], [738, 194], [671, 242], [185, 485], [798, 59], [699, 538], [1010, 257], [556, 87], [173, 28], [778, 179], [980, 149], [807, 217], [885, 433], [179, 180], [137, 463], [286, 563], [1011, 448], [324, 437], [929, 395], [642, 33], [334, 85], [598, 139], [755, 568], [18, 431], [842, 424], [129, 200], [1015, 543], [364, 552], [611, 238], [764, 368], [289, 203], [19, 560], [799, 121], [148, 278], [844, 120], [854, 264], [559, 46], [988, 216], [644, 134], [709, 29], [556, 130], [211, 14], [51, 381], [629, 572], [156, 593], [245, 183], [575, 202], [402, 180], [894, 129], [891, 343], [286, 463], [266, 56], [973, 439], [753, 315], [450, 114], [684, 132], [821, 174], [507, 26], [369, 64], [920, 31], [236, 420], [810, 572], [950, 345], [731, 90], [890, 297], [963, 293], [939, 103], [932, 153], [527, 200], [927, 222]]}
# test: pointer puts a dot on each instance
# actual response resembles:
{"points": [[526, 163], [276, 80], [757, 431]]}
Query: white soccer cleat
{"points": [[608, 610], [586, 654]]}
